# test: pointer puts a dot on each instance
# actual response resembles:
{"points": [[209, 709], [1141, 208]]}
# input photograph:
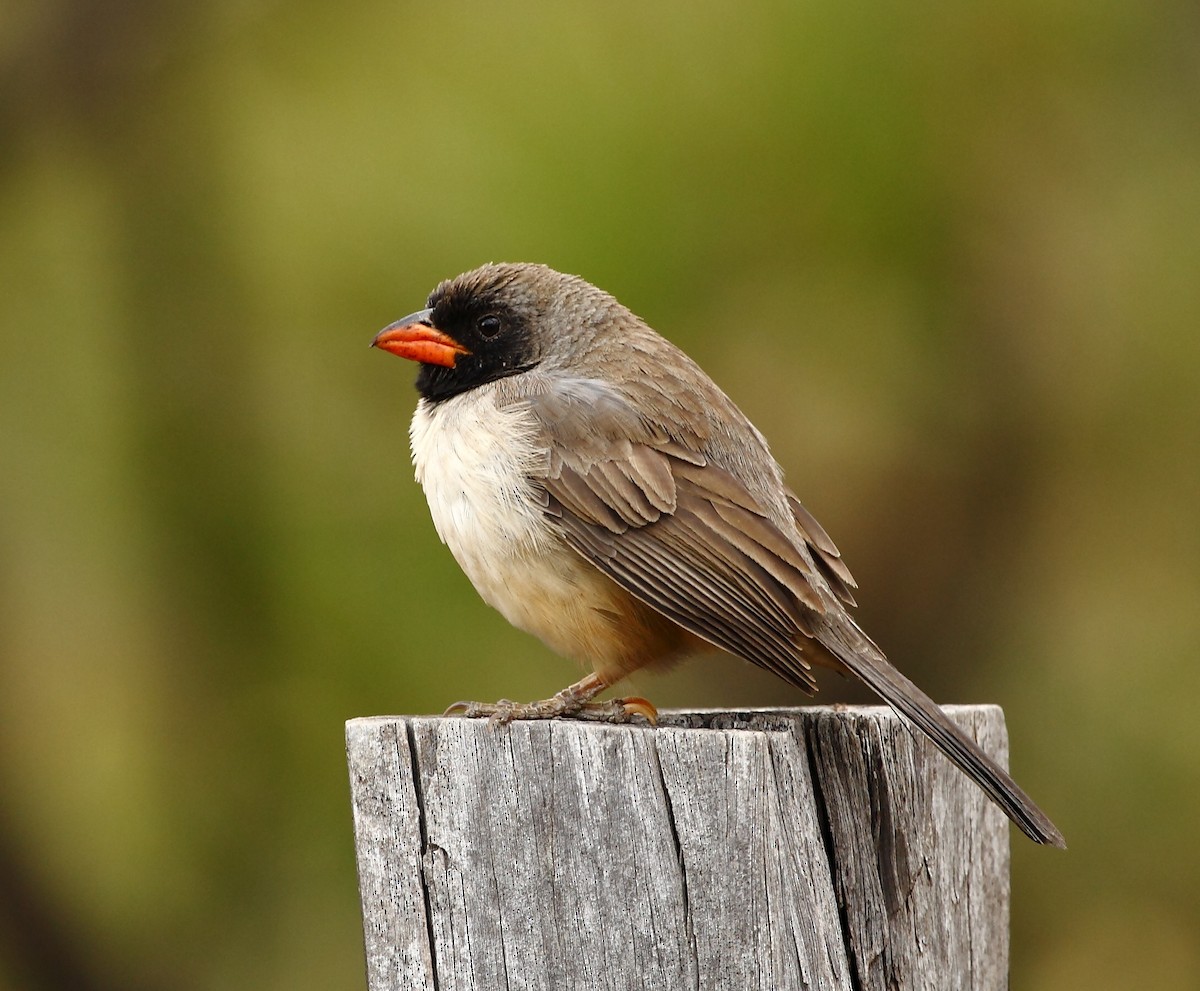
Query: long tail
{"points": [[860, 656]]}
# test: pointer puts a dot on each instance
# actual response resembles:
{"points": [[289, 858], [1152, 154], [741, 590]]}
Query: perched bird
{"points": [[605, 495]]}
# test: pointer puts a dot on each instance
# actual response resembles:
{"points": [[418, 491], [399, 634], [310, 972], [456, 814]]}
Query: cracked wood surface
{"points": [[777, 849]]}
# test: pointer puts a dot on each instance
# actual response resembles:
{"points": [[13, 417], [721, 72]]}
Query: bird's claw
{"points": [[501, 712], [626, 710], [636, 706]]}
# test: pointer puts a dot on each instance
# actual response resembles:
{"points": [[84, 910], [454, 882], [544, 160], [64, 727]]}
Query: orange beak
{"points": [[413, 338]]}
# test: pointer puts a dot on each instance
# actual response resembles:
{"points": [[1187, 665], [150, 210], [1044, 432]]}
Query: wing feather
{"points": [[691, 597], [828, 558], [680, 532], [581, 499]]}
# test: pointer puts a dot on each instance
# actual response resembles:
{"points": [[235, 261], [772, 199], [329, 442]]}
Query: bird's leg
{"points": [[573, 702]]}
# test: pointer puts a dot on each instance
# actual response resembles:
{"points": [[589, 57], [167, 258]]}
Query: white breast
{"points": [[474, 459]]}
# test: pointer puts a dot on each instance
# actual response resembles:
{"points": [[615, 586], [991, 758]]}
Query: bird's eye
{"points": [[489, 326]]}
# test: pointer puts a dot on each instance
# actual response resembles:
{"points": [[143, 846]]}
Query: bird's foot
{"points": [[564, 705]]}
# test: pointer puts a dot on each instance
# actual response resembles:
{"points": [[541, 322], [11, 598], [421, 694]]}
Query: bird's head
{"points": [[495, 321]]}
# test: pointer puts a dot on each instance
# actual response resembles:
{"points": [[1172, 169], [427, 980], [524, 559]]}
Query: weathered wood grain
{"points": [[811, 848], [923, 879]]}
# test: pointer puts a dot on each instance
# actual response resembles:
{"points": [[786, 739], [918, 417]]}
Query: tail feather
{"points": [[867, 662]]}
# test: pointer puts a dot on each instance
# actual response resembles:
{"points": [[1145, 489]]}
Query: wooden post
{"points": [[780, 849]]}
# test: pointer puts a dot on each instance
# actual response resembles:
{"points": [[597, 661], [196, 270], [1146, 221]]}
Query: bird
{"points": [[604, 494]]}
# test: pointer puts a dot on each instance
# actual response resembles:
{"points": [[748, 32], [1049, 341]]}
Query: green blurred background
{"points": [[946, 257]]}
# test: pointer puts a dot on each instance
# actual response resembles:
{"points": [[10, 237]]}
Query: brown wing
{"points": [[824, 551], [644, 505]]}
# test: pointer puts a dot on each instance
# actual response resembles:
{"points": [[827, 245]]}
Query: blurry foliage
{"points": [[946, 258]]}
